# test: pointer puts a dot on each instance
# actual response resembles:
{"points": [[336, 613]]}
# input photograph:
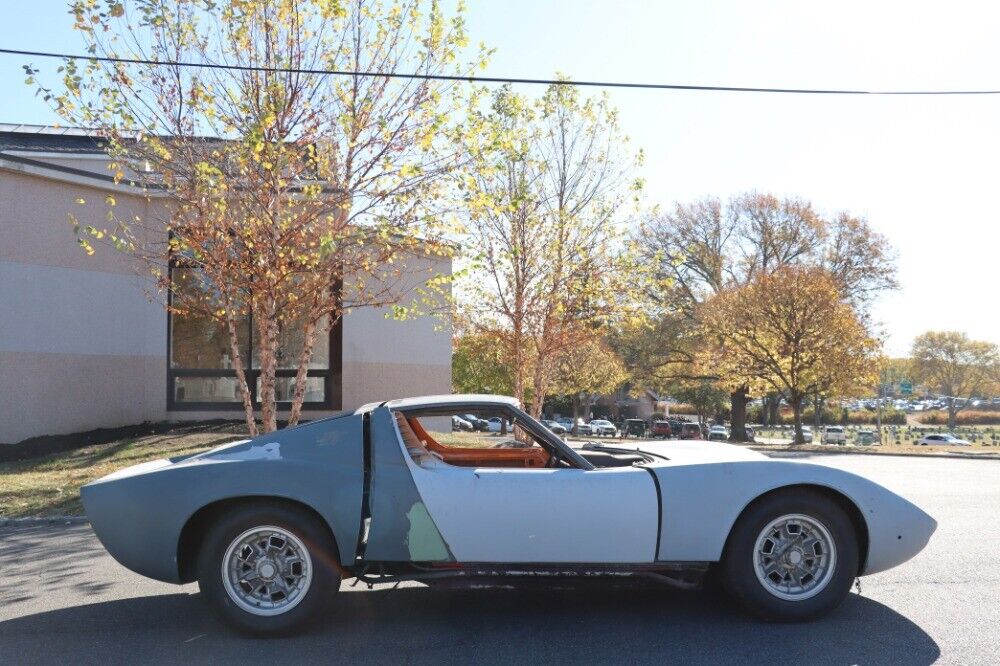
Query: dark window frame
{"points": [[332, 375]]}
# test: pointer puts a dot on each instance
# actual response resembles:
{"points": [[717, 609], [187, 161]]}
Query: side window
{"points": [[483, 430], [470, 439]]}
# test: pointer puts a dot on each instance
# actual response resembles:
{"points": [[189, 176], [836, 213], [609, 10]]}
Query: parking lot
{"points": [[63, 600]]}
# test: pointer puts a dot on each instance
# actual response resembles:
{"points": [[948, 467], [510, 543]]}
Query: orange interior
{"points": [[470, 456]]}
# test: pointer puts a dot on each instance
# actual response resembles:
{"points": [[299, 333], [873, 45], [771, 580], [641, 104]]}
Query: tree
{"points": [[479, 364], [544, 192], [956, 367], [791, 331], [862, 261], [705, 247], [588, 369], [290, 197], [705, 395]]}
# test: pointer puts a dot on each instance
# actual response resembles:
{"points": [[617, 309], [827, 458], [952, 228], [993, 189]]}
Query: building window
{"points": [[200, 374]]}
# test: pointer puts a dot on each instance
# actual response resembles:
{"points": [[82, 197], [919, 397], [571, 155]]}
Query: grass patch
{"points": [[884, 449], [50, 485]]}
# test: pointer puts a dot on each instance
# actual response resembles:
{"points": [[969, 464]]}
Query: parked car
{"points": [[807, 434], [718, 433], [271, 527], [603, 428], [865, 437], [478, 424], [460, 424], [634, 428], [554, 426], [834, 435], [662, 429], [689, 431], [675, 427], [496, 424], [578, 428], [944, 439]]}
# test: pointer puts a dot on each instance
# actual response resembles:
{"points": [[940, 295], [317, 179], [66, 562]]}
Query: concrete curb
{"points": [[48, 520], [842, 452]]}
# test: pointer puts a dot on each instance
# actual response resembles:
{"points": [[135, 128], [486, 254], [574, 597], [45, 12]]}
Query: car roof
{"points": [[457, 399]]}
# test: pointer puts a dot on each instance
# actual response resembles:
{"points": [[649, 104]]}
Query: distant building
{"points": [[83, 346], [622, 404]]}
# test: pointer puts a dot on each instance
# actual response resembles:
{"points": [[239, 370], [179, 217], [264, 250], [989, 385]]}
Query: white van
{"points": [[834, 435]]}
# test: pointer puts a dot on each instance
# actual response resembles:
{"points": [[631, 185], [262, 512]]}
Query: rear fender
{"points": [[139, 513]]}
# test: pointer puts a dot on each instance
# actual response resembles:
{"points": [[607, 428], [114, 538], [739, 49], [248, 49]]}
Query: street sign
{"points": [[906, 387]]}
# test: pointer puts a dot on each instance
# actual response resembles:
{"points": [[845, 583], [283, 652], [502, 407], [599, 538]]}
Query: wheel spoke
{"points": [[771, 567], [251, 578], [280, 583]]}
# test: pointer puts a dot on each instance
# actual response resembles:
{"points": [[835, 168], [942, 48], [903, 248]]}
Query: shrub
{"points": [[834, 417], [973, 417], [682, 408]]}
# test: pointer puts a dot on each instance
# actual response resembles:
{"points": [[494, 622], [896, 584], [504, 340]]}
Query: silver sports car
{"points": [[269, 527]]}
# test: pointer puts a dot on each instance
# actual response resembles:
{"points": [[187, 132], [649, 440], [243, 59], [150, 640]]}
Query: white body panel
{"points": [[706, 485], [508, 515]]}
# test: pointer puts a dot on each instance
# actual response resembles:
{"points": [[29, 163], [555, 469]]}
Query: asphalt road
{"points": [[63, 600]]}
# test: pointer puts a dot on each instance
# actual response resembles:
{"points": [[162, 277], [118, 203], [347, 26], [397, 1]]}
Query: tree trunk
{"points": [[538, 387], [773, 407], [738, 416], [796, 401], [517, 355], [301, 373], [267, 331], [817, 411], [241, 377], [576, 412], [952, 413]]}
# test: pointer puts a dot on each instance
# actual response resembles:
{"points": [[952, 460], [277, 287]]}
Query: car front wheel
{"points": [[268, 568], [792, 556]]}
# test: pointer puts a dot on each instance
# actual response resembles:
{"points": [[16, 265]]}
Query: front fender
{"points": [[701, 503]]}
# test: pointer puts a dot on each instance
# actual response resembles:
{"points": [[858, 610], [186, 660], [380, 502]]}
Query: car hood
{"points": [[695, 451]]}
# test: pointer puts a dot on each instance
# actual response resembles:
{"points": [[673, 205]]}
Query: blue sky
{"points": [[923, 170]]}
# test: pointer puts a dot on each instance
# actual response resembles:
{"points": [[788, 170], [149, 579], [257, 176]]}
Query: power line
{"points": [[495, 79]]}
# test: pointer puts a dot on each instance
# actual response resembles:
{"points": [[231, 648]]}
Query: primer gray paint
{"points": [[401, 529], [139, 513]]}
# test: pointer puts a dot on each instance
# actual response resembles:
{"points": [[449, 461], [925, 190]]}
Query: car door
{"points": [[534, 515], [511, 515]]}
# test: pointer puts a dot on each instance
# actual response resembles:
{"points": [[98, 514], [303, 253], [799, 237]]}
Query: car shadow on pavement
{"points": [[588, 622]]}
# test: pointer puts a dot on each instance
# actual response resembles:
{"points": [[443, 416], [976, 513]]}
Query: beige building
{"points": [[85, 343]]}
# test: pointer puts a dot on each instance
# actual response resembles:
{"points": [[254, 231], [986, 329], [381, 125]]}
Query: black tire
{"points": [[310, 531], [737, 571]]}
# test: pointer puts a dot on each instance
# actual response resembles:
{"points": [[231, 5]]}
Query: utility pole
{"points": [[878, 412]]}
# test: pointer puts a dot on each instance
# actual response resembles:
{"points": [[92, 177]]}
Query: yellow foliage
{"points": [[789, 331]]}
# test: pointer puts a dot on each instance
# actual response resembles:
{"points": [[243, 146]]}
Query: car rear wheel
{"points": [[792, 556], [268, 568]]}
